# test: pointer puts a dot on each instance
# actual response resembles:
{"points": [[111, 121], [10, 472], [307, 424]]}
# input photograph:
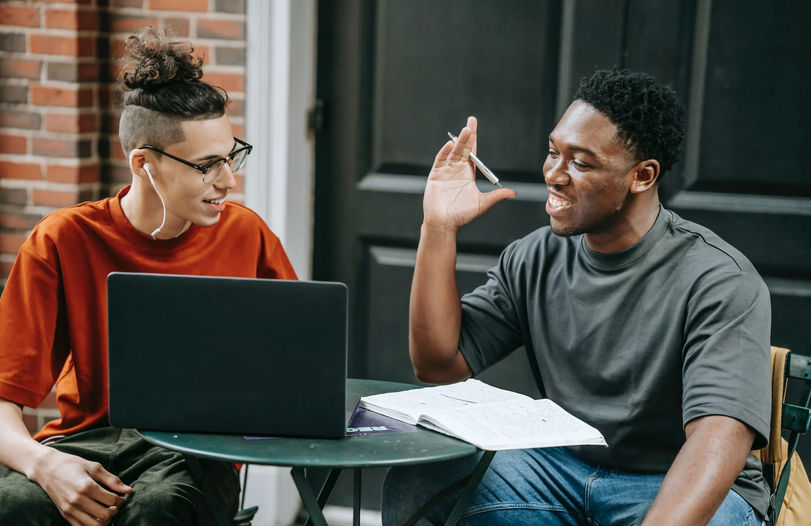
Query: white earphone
{"points": [[151, 180], [157, 230]]}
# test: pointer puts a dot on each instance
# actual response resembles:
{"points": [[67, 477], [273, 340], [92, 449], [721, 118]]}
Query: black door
{"points": [[395, 76]]}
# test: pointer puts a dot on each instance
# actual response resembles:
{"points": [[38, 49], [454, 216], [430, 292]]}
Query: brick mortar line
{"points": [[66, 59], [49, 31], [45, 134], [48, 134], [65, 84], [42, 184], [69, 162], [59, 84], [15, 82], [60, 110], [50, 57], [60, 4]]}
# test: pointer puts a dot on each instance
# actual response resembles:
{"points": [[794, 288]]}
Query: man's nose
{"points": [[556, 173], [226, 178]]}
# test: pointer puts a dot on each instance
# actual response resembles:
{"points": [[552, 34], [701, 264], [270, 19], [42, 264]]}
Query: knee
{"points": [[151, 504], [407, 489], [24, 502]]}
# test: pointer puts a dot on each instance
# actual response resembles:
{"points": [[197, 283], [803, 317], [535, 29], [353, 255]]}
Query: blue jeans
{"points": [[538, 486]]}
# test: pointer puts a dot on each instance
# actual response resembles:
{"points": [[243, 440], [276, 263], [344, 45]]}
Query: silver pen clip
{"points": [[480, 165]]}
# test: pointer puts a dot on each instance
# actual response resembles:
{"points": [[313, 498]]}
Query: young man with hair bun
{"points": [[173, 219]]}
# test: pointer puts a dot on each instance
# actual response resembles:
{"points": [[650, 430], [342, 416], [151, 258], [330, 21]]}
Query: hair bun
{"points": [[153, 60]]}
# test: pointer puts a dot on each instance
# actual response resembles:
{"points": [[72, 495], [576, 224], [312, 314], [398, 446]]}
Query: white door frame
{"points": [[281, 63], [280, 71]]}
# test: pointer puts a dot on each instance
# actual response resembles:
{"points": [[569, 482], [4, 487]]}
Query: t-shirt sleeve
{"points": [[273, 261], [490, 328], [727, 364], [33, 334]]}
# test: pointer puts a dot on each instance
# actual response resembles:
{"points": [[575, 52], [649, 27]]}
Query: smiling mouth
{"points": [[557, 202], [215, 201]]}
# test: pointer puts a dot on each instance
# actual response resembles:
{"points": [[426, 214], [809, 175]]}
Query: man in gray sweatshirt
{"points": [[649, 327]]}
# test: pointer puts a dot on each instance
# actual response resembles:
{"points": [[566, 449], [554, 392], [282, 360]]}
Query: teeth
{"points": [[215, 201], [556, 202]]}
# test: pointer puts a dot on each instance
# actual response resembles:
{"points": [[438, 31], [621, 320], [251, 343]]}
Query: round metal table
{"points": [[355, 452]]}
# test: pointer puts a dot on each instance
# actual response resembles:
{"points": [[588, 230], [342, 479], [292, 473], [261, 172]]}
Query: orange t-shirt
{"points": [[53, 310]]}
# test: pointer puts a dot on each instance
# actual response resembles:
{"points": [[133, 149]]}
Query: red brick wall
{"points": [[58, 116]]}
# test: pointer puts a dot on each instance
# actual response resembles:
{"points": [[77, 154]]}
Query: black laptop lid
{"points": [[227, 355]]}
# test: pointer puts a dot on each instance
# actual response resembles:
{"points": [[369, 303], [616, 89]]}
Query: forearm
{"points": [[435, 313], [18, 451], [703, 473]]}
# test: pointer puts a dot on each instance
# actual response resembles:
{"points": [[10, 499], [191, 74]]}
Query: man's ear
{"points": [[137, 160], [646, 175]]}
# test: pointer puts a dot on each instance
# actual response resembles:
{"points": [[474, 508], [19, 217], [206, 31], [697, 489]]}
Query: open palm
{"points": [[452, 199]]}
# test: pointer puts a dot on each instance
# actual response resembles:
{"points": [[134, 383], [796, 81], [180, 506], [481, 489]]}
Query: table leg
{"points": [[326, 490], [210, 493], [469, 483], [467, 494], [308, 497], [356, 507]]}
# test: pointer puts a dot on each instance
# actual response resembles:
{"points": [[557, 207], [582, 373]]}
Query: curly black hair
{"points": [[161, 74], [649, 118], [162, 87]]}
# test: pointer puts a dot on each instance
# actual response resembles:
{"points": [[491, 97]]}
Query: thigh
{"points": [[735, 511], [25, 503], [623, 499], [95, 445], [164, 491], [541, 486]]}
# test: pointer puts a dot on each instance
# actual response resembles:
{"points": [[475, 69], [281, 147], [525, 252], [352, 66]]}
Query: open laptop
{"points": [[228, 355]]}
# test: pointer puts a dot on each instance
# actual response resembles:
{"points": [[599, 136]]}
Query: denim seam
{"points": [[587, 493], [516, 506]]}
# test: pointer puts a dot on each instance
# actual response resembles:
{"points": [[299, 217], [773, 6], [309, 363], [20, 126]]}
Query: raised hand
{"points": [[452, 199], [74, 486]]}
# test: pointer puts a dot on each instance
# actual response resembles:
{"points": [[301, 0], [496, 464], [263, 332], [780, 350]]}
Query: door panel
{"points": [[460, 45], [755, 123]]}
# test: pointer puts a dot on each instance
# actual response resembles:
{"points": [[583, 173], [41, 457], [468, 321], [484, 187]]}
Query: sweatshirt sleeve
{"points": [[490, 327], [33, 329], [726, 353], [273, 261]]}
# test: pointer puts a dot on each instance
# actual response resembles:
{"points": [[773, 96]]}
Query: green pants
{"points": [[164, 492]]}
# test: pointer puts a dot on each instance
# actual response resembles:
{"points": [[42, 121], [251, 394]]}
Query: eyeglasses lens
{"points": [[238, 160], [212, 173], [235, 163]]}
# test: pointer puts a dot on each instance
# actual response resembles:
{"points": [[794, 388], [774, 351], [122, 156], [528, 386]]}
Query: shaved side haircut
{"points": [[162, 89]]}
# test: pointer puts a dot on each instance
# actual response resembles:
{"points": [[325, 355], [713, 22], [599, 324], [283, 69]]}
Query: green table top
{"points": [[380, 450]]}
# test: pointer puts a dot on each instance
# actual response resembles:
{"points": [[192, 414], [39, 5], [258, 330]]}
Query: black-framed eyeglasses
{"points": [[211, 170]]}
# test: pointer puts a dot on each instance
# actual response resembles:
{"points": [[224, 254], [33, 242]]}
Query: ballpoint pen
{"points": [[480, 165]]}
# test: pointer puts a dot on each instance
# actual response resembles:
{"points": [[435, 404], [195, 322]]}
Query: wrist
{"points": [[438, 232], [40, 460]]}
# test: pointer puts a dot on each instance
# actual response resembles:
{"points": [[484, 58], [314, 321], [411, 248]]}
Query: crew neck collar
{"points": [[632, 253], [135, 236]]}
